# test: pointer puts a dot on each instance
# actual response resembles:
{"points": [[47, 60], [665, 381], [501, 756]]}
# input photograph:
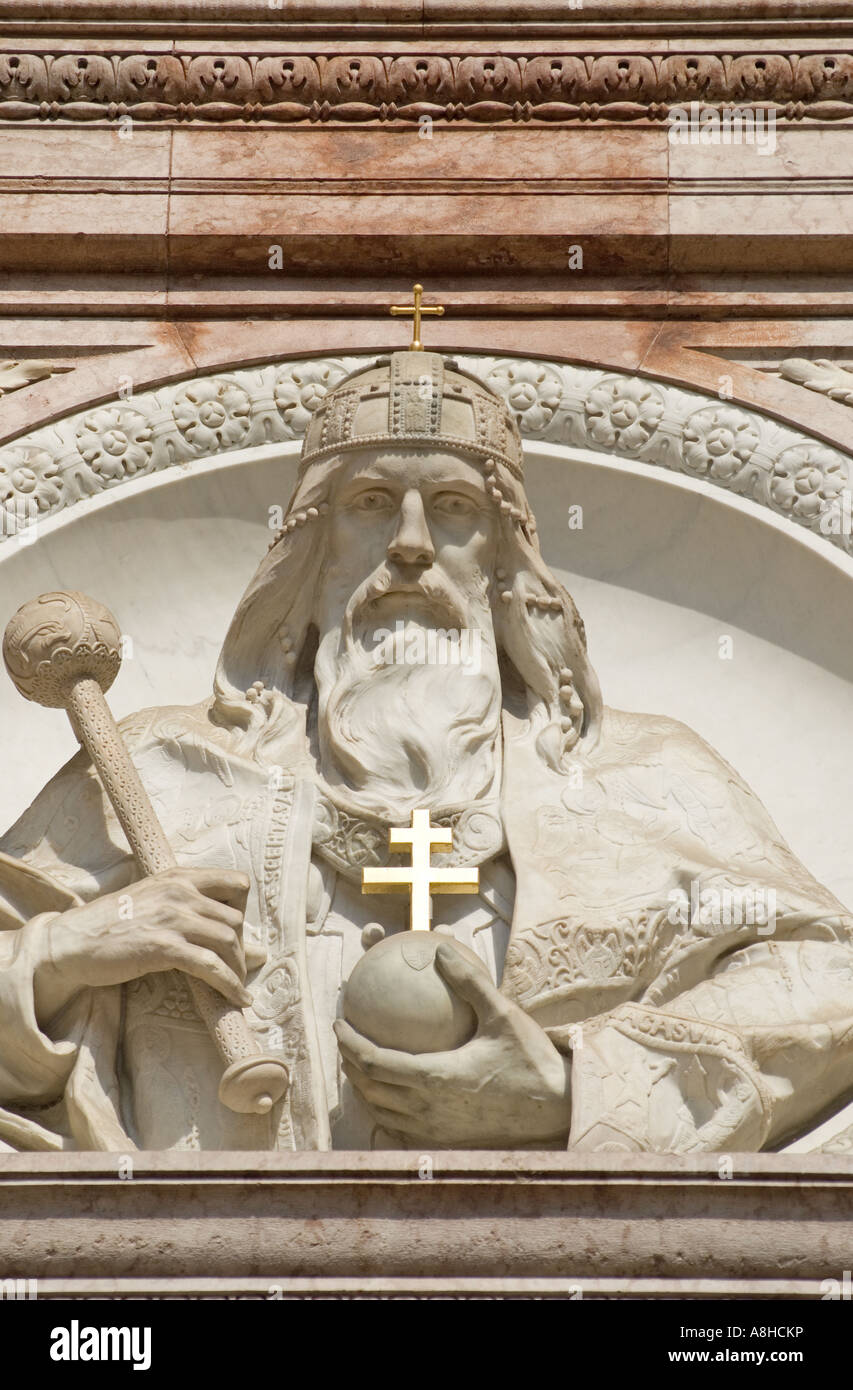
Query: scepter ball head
{"points": [[396, 996], [54, 640]]}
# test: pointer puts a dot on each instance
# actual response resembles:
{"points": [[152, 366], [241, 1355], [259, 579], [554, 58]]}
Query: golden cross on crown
{"points": [[417, 310], [421, 878]]}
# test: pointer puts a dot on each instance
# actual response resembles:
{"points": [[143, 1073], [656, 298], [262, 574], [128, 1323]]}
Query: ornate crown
{"points": [[414, 398]]}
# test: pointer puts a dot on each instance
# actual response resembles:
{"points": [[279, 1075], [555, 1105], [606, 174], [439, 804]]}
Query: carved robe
{"points": [[689, 1027]]}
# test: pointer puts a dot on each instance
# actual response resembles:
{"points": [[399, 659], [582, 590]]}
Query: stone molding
{"points": [[744, 451], [302, 88], [449, 1224], [416, 17]]}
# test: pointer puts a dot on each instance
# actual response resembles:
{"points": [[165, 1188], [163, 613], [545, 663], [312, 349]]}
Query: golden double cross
{"points": [[420, 878]]}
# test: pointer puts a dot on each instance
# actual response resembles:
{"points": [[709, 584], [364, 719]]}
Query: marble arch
{"points": [[640, 418]]}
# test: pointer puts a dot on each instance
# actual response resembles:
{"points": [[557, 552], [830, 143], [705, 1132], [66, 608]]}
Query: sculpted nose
{"points": [[411, 543]]}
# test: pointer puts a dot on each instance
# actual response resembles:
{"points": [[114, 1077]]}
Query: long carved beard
{"points": [[397, 735]]}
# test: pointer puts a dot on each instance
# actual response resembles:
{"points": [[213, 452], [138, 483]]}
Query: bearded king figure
{"points": [[614, 1013]]}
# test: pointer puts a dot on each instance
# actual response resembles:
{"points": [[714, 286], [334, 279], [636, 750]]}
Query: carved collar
{"points": [[352, 842]]}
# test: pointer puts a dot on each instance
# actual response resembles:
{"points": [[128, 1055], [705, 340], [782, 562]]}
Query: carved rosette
{"points": [[532, 390], [806, 479], [719, 442], [623, 413], [212, 415], [299, 390], [29, 478], [115, 442], [775, 465]]}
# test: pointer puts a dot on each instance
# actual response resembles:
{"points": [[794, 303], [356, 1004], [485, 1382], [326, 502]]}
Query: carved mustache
{"points": [[435, 588]]}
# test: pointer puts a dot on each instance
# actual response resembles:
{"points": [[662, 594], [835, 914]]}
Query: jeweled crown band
{"points": [[454, 442], [414, 399]]}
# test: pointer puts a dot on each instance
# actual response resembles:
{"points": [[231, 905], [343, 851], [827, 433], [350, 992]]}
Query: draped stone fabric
{"points": [[687, 1031]]}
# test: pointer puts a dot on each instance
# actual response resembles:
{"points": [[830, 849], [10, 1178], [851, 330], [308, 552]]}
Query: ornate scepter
{"points": [[63, 650]]}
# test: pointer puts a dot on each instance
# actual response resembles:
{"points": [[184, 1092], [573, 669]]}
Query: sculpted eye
{"points": [[373, 501], [454, 504]]}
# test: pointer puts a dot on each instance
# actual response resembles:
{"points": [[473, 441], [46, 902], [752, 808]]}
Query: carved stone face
{"points": [[411, 543], [423, 523]]}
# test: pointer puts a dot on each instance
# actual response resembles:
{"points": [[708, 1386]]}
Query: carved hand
{"points": [[509, 1085], [183, 919]]}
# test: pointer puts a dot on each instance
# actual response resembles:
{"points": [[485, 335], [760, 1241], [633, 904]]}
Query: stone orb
{"points": [[397, 997], [58, 638]]}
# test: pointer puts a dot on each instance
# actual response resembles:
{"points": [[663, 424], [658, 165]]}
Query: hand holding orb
{"points": [[397, 998]]}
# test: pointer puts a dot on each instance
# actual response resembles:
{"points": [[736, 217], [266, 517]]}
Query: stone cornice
{"points": [[356, 1225], [743, 451], [477, 19], [301, 88]]}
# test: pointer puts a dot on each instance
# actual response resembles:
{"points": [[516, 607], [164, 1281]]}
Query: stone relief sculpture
{"points": [[829, 378], [14, 375], [647, 967]]}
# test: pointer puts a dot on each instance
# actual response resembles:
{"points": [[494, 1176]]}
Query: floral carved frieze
{"points": [[743, 451], [352, 88]]}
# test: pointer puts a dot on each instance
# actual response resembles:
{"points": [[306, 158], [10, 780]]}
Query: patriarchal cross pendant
{"points": [[421, 878]]}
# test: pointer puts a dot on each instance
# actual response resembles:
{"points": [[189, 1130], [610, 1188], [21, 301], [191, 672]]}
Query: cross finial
{"points": [[421, 878], [417, 310]]}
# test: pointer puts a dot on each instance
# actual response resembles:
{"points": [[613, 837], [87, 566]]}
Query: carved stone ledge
{"points": [[484, 1224], [299, 14], [309, 89], [746, 452]]}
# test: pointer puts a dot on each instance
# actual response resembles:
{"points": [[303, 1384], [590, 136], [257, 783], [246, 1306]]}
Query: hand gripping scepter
{"points": [[63, 650]]}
